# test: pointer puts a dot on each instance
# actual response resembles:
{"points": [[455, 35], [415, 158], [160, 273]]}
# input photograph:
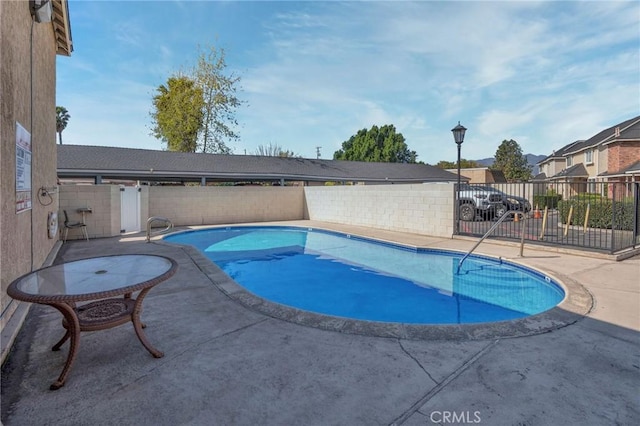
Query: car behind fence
{"points": [[589, 215]]}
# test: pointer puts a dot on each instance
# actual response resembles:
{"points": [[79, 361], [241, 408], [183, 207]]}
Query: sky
{"points": [[314, 73]]}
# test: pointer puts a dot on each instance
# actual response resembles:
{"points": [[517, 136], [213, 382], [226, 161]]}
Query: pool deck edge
{"points": [[578, 302]]}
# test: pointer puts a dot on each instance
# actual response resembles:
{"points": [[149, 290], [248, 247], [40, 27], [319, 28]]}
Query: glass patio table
{"points": [[98, 280]]}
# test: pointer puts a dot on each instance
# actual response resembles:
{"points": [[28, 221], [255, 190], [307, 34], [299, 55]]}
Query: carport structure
{"points": [[102, 164]]}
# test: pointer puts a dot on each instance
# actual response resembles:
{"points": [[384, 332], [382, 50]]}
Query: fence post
{"points": [[613, 216], [569, 217], [456, 211], [586, 217], [636, 210]]}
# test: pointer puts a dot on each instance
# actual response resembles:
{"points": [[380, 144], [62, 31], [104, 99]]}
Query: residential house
{"points": [[610, 156]]}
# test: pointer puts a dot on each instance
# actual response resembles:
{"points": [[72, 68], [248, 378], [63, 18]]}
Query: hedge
{"points": [[600, 212], [550, 201]]}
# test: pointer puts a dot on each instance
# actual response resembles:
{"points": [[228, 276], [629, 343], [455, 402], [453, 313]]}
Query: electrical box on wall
{"points": [[52, 225]]}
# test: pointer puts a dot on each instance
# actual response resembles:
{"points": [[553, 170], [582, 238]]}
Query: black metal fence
{"points": [[588, 215]]}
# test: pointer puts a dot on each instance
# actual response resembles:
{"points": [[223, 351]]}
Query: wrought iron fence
{"points": [[600, 216]]}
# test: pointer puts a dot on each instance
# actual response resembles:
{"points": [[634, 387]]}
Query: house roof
{"points": [[539, 177], [498, 176], [62, 27], [559, 154], [575, 171], [633, 169], [627, 130], [140, 164]]}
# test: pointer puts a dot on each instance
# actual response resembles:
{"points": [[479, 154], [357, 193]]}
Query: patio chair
{"points": [[73, 225]]}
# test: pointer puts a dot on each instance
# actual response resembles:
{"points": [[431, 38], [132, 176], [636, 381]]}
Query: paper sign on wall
{"points": [[23, 169]]}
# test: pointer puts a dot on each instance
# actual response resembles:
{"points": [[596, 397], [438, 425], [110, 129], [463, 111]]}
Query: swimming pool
{"points": [[342, 276]]}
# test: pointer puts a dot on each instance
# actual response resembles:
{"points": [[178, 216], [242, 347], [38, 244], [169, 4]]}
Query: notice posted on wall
{"points": [[23, 169]]}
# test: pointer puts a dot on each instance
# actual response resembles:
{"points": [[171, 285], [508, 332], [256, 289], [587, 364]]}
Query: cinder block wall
{"points": [[210, 205], [104, 200], [422, 208]]}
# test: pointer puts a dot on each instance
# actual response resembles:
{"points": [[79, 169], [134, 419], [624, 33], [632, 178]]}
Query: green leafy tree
{"points": [[178, 114], [464, 164], [274, 150], [220, 101], [510, 160], [62, 119], [379, 144]]}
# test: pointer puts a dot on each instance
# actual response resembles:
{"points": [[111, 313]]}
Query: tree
{"points": [[464, 164], [62, 119], [178, 114], [220, 101], [274, 150], [510, 160], [377, 145]]}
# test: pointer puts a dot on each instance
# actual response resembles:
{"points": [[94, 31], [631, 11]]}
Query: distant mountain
{"points": [[532, 160], [486, 162]]}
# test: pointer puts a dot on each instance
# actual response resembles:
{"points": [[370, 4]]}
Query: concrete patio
{"points": [[228, 364]]}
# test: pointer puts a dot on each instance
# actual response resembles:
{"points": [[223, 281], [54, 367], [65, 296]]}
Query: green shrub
{"points": [[601, 212], [548, 200]]}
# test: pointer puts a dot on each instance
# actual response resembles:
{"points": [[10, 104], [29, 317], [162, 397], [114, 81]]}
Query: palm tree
{"points": [[62, 119]]}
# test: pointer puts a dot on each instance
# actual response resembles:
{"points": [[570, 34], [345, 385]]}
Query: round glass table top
{"points": [[94, 275]]}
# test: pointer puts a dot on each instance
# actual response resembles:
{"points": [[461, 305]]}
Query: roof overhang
{"points": [[621, 141], [187, 176], [62, 27]]}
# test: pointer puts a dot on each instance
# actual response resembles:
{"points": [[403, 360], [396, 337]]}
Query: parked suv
{"points": [[479, 201], [488, 202]]}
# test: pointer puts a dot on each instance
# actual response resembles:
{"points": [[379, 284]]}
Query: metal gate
{"points": [[129, 209], [602, 216]]}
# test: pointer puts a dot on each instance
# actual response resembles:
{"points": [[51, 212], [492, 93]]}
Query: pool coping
{"points": [[577, 303]]}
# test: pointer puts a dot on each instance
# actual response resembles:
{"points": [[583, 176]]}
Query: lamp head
{"points": [[458, 133]]}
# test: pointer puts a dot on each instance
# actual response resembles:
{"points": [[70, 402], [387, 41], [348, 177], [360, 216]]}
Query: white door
{"points": [[129, 209]]}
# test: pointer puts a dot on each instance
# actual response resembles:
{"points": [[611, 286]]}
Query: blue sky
{"points": [[314, 73]]}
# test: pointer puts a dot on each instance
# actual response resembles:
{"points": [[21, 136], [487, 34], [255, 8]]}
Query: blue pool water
{"points": [[339, 275]]}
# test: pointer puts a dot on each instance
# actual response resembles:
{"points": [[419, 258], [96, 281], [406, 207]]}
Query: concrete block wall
{"points": [[421, 208], [104, 200], [210, 205], [144, 207], [425, 209]]}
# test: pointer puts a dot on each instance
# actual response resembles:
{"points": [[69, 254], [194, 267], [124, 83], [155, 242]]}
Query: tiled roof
{"points": [[635, 167], [559, 154], [498, 176], [632, 169], [539, 177], [141, 164], [628, 130], [577, 170]]}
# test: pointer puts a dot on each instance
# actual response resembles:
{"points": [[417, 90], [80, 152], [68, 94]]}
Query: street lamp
{"points": [[458, 136]]}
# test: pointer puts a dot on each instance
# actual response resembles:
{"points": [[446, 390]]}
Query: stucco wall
{"points": [[209, 205], [422, 208], [477, 175], [25, 243]]}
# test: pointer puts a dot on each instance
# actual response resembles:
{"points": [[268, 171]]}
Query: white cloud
{"points": [[314, 73]]}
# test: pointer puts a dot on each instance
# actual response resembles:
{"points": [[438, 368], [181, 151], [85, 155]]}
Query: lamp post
{"points": [[458, 136]]}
